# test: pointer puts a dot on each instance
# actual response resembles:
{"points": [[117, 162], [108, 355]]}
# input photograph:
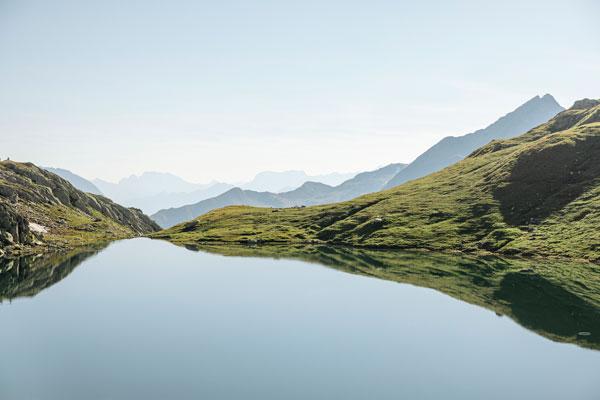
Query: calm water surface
{"points": [[147, 320]]}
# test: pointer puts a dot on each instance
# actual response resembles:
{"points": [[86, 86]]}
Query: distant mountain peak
{"points": [[283, 181], [314, 184], [533, 112], [546, 100], [549, 99]]}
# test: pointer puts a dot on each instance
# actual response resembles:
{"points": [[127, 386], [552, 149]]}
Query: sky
{"points": [[220, 90]]}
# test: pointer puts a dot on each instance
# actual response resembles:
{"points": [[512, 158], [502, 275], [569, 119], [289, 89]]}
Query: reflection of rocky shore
{"points": [[558, 300], [29, 275]]}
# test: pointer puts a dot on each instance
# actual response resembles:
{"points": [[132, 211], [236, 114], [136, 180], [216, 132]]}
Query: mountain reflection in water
{"points": [[553, 299]]}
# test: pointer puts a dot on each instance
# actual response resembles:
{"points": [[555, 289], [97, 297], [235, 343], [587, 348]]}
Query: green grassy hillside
{"points": [[537, 194]]}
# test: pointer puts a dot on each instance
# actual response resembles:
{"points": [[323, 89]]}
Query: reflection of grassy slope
{"points": [[538, 194], [556, 300], [542, 305], [27, 276]]}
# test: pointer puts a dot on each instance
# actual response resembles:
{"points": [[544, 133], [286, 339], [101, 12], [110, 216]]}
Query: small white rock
{"points": [[37, 228]]}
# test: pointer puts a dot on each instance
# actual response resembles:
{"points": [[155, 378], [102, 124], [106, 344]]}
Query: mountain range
{"points": [[537, 194], [453, 149], [310, 193], [448, 151], [172, 200], [277, 182], [153, 191]]}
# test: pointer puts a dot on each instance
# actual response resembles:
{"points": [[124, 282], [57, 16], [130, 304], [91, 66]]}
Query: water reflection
{"points": [[558, 300], [29, 275]]}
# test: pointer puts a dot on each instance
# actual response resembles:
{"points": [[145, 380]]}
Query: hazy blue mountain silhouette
{"points": [[453, 149], [282, 181], [310, 193], [154, 203], [146, 184], [153, 191], [79, 182]]}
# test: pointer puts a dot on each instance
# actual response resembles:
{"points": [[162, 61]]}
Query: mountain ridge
{"points": [[154, 191], [285, 181], [534, 195], [452, 149], [85, 185], [309, 193], [40, 210]]}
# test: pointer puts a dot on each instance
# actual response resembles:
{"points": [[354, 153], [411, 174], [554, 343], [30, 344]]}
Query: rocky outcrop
{"points": [[13, 227], [28, 193], [585, 104]]}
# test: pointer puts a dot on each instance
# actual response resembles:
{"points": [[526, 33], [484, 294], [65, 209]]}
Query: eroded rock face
{"points": [[14, 228], [585, 104], [25, 187]]}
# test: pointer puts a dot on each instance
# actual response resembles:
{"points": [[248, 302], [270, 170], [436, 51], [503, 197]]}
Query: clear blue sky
{"points": [[224, 89]]}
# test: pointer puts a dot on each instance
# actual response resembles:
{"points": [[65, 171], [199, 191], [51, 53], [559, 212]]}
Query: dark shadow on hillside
{"points": [[28, 276], [555, 305], [546, 179]]}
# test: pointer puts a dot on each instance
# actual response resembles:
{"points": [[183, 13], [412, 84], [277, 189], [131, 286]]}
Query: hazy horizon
{"points": [[238, 182], [221, 91]]}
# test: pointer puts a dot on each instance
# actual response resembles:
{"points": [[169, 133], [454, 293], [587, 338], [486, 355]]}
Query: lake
{"points": [[144, 319]]}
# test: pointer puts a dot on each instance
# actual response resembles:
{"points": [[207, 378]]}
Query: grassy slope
{"points": [[69, 228], [538, 194]]}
